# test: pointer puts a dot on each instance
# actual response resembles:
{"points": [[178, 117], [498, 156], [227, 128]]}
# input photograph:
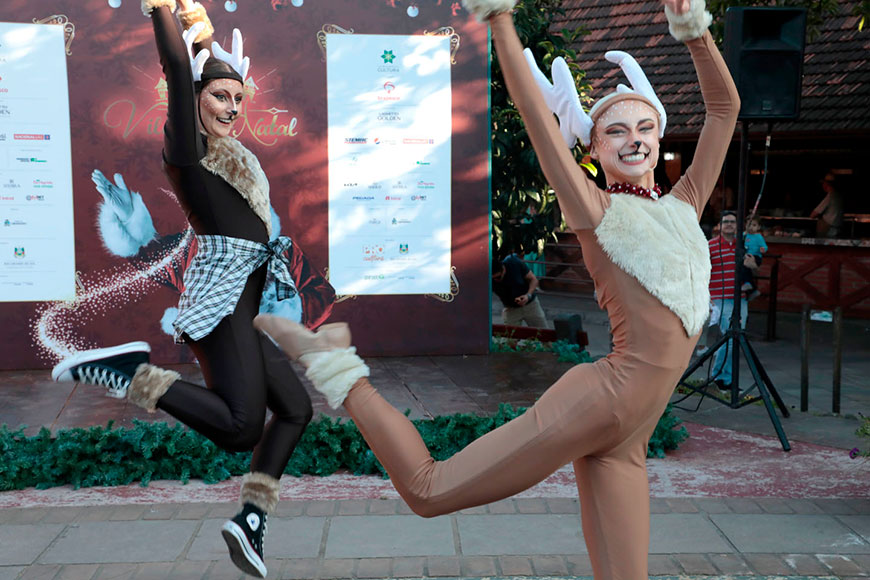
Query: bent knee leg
{"points": [[243, 438]]}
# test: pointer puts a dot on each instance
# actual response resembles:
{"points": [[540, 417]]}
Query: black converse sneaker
{"points": [[111, 367], [244, 537]]}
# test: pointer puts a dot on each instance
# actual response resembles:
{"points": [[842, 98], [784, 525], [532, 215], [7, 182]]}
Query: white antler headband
{"points": [[196, 61], [561, 96], [235, 59]]}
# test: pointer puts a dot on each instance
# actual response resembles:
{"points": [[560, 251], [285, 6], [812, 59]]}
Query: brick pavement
{"points": [[381, 539]]}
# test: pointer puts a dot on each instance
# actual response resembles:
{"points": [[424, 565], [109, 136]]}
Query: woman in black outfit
{"points": [[226, 198]]}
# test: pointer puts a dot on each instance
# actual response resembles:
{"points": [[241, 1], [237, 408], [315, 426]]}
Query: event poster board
{"points": [[118, 103], [389, 163], [37, 251]]}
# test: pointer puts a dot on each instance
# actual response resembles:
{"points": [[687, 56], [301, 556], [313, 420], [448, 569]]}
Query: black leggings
{"points": [[245, 374]]}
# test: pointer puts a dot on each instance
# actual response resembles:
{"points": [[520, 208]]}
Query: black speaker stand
{"points": [[735, 337]]}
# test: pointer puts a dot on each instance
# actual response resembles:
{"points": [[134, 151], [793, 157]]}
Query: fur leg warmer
{"points": [[149, 5], [334, 372], [196, 14], [261, 490], [690, 25], [149, 384], [483, 9]]}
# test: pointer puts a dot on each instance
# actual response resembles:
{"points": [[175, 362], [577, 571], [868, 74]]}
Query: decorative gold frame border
{"points": [[69, 29], [455, 40], [450, 296], [448, 31]]}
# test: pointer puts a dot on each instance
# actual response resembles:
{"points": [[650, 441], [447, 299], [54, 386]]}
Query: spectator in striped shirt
{"points": [[722, 250]]}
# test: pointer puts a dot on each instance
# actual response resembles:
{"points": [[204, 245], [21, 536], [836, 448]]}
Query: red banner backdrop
{"points": [[118, 103]]}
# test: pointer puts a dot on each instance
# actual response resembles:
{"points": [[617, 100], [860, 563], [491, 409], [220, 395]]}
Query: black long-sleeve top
{"points": [[212, 205]]}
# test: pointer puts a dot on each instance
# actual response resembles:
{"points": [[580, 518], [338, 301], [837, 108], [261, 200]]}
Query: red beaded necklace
{"points": [[653, 194]]}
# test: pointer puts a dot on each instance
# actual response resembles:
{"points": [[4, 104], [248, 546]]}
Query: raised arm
{"points": [[722, 105], [182, 145], [581, 201]]}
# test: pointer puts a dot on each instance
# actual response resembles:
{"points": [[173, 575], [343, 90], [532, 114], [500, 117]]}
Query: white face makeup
{"points": [[219, 102], [625, 141]]}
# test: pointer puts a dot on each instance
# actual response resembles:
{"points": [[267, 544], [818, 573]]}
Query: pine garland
{"points": [[108, 456]]}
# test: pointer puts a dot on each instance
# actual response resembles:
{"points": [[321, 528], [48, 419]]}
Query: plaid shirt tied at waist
{"points": [[216, 277]]}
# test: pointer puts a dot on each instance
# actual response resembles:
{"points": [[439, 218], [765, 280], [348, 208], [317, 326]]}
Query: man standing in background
{"points": [[722, 278], [515, 285]]}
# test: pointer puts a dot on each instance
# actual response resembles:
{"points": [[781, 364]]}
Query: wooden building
{"points": [[832, 134]]}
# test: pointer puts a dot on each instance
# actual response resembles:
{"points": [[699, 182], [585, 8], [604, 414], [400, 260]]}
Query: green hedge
{"points": [[106, 456]]}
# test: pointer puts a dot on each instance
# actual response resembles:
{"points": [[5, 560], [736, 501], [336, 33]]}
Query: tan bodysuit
{"points": [[600, 415]]}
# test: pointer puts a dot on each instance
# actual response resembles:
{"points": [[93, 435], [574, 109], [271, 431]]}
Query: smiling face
{"points": [[219, 102], [728, 226], [625, 140]]}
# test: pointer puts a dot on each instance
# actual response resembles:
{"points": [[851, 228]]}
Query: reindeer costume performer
{"points": [[650, 264], [225, 195]]}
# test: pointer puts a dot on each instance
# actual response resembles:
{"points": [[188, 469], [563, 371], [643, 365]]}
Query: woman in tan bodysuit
{"points": [[650, 265]]}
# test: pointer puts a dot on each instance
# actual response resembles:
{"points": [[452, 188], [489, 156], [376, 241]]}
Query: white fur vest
{"points": [[660, 244], [227, 158]]}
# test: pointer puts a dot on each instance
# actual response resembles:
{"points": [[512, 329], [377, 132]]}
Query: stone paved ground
{"points": [[383, 539]]}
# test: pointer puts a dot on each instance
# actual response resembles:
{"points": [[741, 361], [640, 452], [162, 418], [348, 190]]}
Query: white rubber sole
{"points": [[242, 553], [62, 370]]}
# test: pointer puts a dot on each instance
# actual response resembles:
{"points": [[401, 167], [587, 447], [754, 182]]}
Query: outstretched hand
{"points": [[677, 6]]}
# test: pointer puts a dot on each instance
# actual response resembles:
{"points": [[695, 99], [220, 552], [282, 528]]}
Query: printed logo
{"points": [[30, 137], [425, 184], [375, 185], [401, 222], [403, 248], [389, 87], [423, 163], [349, 184], [19, 252], [388, 56], [43, 184], [381, 141], [35, 197], [399, 185], [253, 522], [355, 140], [418, 141], [419, 198], [373, 253], [393, 198], [389, 116], [11, 185], [363, 198]]}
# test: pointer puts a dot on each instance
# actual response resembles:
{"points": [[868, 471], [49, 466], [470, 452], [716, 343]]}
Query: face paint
{"points": [[625, 141], [219, 102]]}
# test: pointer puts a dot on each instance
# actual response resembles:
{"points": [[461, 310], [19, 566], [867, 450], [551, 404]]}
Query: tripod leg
{"points": [[703, 358], [765, 395], [773, 392]]}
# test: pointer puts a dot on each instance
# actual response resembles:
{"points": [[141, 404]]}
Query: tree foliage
{"points": [[523, 205]]}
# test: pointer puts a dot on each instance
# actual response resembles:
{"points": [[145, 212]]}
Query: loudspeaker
{"points": [[764, 49]]}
